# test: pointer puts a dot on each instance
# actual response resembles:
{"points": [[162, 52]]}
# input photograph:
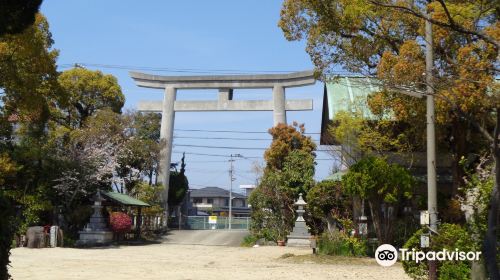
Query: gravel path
{"points": [[173, 261]]}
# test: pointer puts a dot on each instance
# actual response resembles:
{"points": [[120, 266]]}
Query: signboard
{"points": [[424, 217], [212, 220], [424, 241]]}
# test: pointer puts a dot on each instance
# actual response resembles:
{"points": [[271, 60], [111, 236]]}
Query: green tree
{"points": [[289, 171], [30, 94], [383, 186], [329, 203], [88, 92], [146, 127], [28, 76], [179, 185], [272, 208], [376, 137]]}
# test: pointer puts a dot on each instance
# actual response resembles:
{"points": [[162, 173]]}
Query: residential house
{"points": [[215, 201]]}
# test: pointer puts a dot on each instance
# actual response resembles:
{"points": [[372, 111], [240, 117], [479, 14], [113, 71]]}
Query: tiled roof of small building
{"points": [[213, 192]]}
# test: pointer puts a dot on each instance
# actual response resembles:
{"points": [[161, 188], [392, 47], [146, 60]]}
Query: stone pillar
{"points": [[167, 136], [279, 103]]}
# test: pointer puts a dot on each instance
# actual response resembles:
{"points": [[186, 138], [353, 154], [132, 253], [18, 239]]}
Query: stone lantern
{"points": [[96, 232], [300, 236]]}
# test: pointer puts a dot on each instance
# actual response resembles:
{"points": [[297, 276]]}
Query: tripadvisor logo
{"points": [[387, 255]]}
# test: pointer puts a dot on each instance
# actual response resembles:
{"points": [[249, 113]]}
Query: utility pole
{"points": [[431, 138], [231, 179]]}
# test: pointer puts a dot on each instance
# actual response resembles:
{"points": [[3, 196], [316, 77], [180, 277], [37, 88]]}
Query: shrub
{"points": [[249, 241], [337, 243], [451, 237], [120, 222], [454, 271]]}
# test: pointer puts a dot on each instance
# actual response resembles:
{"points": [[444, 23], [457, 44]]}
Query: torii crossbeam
{"points": [[225, 84]]}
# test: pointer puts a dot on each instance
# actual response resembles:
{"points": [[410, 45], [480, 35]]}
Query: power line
{"points": [[223, 138], [231, 148], [227, 138], [234, 131], [185, 70], [227, 156], [219, 147], [205, 161], [211, 155], [173, 69]]}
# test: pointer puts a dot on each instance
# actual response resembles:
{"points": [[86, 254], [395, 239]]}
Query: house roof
{"points": [[345, 94], [124, 199], [213, 192]]}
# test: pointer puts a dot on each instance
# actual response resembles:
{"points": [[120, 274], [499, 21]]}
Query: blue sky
{"points": [[206, 35]]}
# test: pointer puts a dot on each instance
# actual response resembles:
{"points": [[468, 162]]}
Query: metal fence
{"points": [[202, 222]]}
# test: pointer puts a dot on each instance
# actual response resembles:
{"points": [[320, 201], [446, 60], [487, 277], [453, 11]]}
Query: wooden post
{"points": [[138, 223]]}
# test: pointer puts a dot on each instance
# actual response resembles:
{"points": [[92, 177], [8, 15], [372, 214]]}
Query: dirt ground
{"points": [[172, 261]]}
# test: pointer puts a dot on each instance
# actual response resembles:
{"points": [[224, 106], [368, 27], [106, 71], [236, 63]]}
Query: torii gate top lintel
{"points": [[294, 79]]}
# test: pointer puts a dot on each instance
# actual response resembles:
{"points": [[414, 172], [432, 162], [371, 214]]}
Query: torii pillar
{"points": [[225, 84]]}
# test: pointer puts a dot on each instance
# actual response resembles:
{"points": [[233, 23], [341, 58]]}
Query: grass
{"points": [[325, 259]]}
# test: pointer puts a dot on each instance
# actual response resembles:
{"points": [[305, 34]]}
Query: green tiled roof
{"points": [[125, 199], [349, 94]]}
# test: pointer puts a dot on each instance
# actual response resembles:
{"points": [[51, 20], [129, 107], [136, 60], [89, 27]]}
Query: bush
{"points": [[120, 222], [454, 271], [68, 241], [451, 237], [338, 243], [249, 241]]}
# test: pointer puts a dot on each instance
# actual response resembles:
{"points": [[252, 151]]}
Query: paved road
{"points": [[206, 237]]}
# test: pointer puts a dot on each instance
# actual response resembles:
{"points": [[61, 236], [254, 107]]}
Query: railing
{"points": [[203, 222], [148, 222]]}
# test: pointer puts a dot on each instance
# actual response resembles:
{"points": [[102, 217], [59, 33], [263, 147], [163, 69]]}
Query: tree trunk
{"points": [[330, 222], [490, 239], [375, 212], [390, 213], [459, 149]]}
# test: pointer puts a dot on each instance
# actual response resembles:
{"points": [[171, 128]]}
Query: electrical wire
{"points": [[227, 156], [233, 131], [185, 70], [233, 148], [223, 138], [228, 138], [171, 69], [213, 155]]}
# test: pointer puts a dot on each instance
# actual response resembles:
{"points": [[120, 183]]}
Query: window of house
{"points": [[210, 201], [197, 200]]}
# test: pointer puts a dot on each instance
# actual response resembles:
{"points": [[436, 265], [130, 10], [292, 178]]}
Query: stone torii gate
{"points": [[225, 84]]}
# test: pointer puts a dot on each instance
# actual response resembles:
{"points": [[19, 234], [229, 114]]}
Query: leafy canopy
{"points": [[373, 177], [88, 92]]}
